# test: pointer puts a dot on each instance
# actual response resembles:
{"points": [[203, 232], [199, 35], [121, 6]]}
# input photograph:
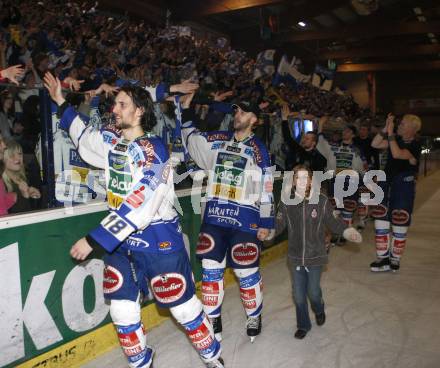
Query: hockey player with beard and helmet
{"points": [[399, 190], [239, 210], [141, 235]]}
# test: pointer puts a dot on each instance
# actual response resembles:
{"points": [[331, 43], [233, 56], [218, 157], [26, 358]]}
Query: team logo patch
{"points": [[169, 287], [136, 198], [314, 213], [349, 205], [113, 280], [379, 211], [205, 243], [245, 253], [399, 217]]}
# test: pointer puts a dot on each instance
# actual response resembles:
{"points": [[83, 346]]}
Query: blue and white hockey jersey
{"points": [[139, 184], [240, 181]]}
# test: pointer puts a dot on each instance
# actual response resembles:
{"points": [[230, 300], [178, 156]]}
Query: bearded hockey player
{"points": [[239, 210]]}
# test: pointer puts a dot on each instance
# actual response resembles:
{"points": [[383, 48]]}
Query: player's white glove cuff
{"points": [[351, 234]]}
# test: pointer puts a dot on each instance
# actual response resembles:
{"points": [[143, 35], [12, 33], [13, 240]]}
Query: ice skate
{"points": [[253, 327], [217, 363], [217, 326], [394, 264], [381, 265]]}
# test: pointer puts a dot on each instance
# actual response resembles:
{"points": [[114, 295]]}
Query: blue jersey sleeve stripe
{"points": [[66, 120]]}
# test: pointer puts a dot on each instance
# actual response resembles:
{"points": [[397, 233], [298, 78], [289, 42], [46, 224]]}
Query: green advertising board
{"points": [[47, 299]]}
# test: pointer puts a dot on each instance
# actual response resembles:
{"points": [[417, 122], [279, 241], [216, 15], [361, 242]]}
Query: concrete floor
{"points": [[373, 320]]}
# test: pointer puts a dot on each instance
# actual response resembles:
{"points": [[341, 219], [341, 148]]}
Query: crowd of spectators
{"points": [[86, 47]]}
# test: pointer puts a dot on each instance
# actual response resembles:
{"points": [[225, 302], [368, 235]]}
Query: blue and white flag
{"points": [[264, 64], [323, 78]]}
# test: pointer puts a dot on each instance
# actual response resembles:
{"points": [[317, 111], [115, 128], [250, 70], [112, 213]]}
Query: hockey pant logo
{"points": [[205, 243], [379, 211], [169, 287], [245, 254], [113, 280], [400, 217]]}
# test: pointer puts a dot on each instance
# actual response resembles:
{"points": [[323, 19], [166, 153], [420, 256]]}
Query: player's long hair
{"points": [[142, 99]]}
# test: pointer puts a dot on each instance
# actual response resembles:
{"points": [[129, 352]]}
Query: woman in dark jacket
{"points": [[306, 218]]}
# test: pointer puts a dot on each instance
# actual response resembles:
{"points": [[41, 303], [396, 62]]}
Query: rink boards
{"points": [[52, 310]]}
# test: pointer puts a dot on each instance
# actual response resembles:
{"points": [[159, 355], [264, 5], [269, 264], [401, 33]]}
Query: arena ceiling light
{"points": [[302, 24]]}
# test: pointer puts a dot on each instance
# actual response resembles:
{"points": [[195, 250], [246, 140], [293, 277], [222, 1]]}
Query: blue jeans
{"points": [[307, 284]]}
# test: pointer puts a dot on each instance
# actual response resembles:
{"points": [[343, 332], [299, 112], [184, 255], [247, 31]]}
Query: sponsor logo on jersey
{"points": [[255, 226], [211, 137], [119, 183], [136, 198], [165, 245], [228, 159], [113, 200], [233, 149], [148, 148], [228, 176], [217, 145], [257, 152], [205, 243], [226, 192], [121, 147], [245, 253], [118, 162], [113, 280], [169, 287], [137, 243]]}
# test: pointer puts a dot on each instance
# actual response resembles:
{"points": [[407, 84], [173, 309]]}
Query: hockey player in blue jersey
{"points": [[399, 190], [239, 210], [343, 157], [141, 235]]}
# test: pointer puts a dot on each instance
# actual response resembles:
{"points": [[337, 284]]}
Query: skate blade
{"points": [[380, 269], [252, 339]]}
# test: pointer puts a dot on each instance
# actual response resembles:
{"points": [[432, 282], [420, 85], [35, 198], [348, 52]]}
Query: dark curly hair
{"points": [[142, 99]]}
